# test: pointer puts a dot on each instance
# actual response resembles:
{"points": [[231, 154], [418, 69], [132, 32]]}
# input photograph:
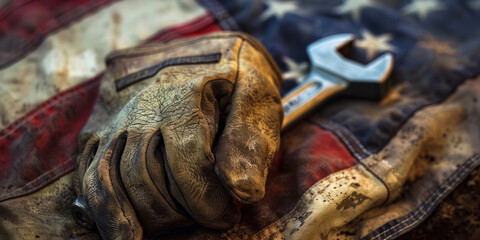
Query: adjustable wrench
{"points": [[332, 74]]}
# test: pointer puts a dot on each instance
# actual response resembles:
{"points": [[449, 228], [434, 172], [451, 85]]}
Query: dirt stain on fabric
{"points": [[352, 201], [116, 19], [301, 219]]}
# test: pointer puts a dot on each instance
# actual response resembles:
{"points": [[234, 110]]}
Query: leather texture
{"points": [[178, 131]]}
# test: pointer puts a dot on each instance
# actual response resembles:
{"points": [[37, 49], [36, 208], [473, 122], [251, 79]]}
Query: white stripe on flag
{"points": [[76, 53]]}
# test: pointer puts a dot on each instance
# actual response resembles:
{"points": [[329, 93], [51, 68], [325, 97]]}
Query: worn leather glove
{"points": [[178, 130]]}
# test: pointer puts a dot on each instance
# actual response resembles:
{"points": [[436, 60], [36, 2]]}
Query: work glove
{"points": [[178, 130]]}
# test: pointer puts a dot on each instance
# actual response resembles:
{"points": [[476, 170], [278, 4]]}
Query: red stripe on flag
{"points": [[307, 155], [10, 6], [25, 24], [41, 146]]}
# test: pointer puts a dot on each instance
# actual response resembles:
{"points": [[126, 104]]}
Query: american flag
{"points": [[52, 58]]}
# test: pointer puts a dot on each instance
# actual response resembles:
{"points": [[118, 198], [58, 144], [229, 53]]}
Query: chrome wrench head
{"points": [[364, 81]]}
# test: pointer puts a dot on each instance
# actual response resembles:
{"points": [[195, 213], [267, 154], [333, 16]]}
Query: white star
{"points": [[278, 9], [296, 71], [374, 44], [354, 7], [475, 4], [422, 7]]}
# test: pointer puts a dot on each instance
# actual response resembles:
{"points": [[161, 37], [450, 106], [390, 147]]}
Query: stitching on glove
{"points": [[135, 77]]}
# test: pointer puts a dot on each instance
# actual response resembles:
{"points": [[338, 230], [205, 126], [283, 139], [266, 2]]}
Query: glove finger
{"points": [[193, 182], [251, 135], [90, 149], [143, 175], [105, 196]]}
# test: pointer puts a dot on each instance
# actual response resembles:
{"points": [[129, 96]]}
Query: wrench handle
{"points": [[306, 97]]}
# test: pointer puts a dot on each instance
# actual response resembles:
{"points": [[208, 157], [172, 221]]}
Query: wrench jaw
{"points": [[374, 86], [365, 81]]}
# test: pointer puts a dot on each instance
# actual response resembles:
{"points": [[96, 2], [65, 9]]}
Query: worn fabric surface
{"points": [[456, 217], [401, 156]]}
